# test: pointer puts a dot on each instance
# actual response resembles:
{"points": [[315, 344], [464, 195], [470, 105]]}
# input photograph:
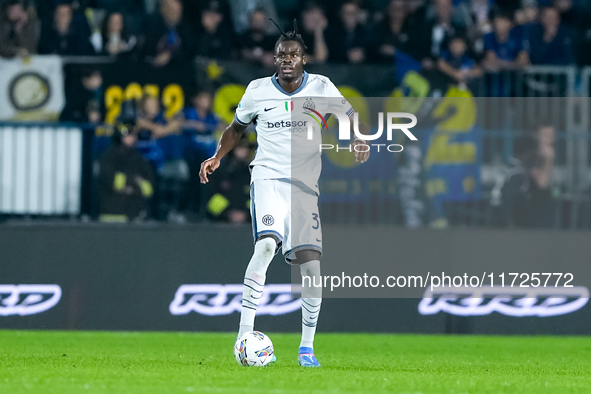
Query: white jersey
{"points": [[272, 110]]}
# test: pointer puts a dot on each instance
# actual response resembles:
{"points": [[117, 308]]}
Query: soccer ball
{"points": [[253, 349]]}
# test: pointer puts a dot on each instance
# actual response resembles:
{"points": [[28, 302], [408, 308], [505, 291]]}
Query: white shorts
{"points": [[288, 211]]}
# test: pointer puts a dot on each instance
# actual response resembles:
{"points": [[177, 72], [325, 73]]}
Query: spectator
{"points": [[583, 42], [192, 10], [364, 11], [569, 14], [456, 64], [84, 101], [528, 14], [416, 17], [201, 124], [214, 39], [427, 41], [18, 30], [242, 10], [126, 7], [230, 201], [116, 38], [525, 192], [474, 15], [347, 39], [550, 43], [508, 6], [526, 20], [576, 17], [126, 180], [166, 37], [151, 126], [390, 34], [64, 34], [415, 5], [46, 8], [314, 25], [255, 44], [199, 129], [503, 47]]}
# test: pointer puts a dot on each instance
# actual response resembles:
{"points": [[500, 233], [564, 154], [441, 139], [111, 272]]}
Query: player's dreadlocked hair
{"points": [[290, 35]]}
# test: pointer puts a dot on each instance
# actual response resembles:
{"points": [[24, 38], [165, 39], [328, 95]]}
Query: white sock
{"points": [[311, 301], [254, 281]]}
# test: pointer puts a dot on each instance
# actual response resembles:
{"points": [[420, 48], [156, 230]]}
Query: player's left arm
{"points": [[361, 154]]}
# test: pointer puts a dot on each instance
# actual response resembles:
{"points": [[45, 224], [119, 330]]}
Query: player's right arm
{"points": [[229, 139], [245, 113]]}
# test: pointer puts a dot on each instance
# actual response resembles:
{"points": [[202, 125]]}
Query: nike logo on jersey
{"points": [[268, 109]]}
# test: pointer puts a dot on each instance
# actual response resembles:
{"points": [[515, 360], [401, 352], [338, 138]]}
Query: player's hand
{"points": [[207, 168], [361, 154]]}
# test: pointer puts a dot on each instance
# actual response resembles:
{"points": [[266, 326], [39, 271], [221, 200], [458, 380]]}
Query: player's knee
{"points": [[264, 250], [266, 247]]}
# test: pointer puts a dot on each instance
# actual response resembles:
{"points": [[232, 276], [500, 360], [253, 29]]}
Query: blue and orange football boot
{"points": [[307, 359]]}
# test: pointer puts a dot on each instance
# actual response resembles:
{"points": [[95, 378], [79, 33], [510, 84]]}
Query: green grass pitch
{"points": [[132, 362]]}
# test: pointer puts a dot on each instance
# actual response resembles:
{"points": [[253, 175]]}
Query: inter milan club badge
{"points": [[268, 220], [309, 104]]}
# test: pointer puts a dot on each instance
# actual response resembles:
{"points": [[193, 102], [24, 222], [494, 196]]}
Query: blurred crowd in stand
{"points": [[463, 39], [458, 36]]}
